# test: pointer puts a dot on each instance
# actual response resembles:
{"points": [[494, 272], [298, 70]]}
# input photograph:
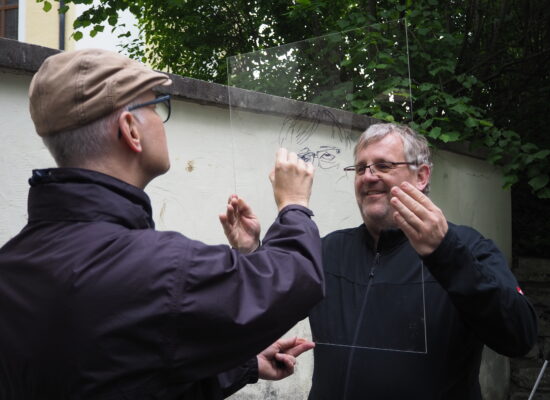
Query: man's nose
{"points": [[369, 176]]}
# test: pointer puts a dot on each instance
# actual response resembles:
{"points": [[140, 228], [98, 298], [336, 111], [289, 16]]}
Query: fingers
{"points": [[418, 217], [293, 157], [281, 155], [402, 223], [407, 197], [407, 209], [231, 214], [288, 361], [235, 207], [284, 158], [292, 179], [244, 208], [294, 346], [284, 344], [229, 219], [309, 167], [418, 196]]}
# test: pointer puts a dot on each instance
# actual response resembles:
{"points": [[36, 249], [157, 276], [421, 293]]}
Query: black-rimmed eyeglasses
{"points": [[382, 167], [162, 106]]}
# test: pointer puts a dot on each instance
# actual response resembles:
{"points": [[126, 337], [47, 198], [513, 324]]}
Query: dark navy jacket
{"points": [[374, 311], [96, 304]]}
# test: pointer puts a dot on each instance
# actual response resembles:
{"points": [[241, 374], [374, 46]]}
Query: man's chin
{"points": [[380, 217]]}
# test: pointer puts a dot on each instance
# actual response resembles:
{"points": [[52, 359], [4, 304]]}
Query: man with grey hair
{"points": [[97, 304], [410, 298], [409, 281]]}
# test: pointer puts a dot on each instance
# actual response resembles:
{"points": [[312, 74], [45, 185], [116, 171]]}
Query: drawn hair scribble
{"points": [[299, 128]]}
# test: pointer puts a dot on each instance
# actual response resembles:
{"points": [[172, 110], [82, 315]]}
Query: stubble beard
{"points": [[377, 216]]}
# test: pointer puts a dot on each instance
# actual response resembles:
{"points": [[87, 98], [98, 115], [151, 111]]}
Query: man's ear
{"points": [[423, 174], [129, 131]]}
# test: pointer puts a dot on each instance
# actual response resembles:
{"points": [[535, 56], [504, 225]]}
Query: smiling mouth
{"points": [[374, 192]]}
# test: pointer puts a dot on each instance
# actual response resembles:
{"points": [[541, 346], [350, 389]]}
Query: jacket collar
{"points": [[73, 194], [388, 240]]}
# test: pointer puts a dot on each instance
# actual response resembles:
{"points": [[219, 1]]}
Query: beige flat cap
{"points": [[74, 88]]}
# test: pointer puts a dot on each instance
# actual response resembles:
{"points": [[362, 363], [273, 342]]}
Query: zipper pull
{"points": [[377, 258], [376, 263]]}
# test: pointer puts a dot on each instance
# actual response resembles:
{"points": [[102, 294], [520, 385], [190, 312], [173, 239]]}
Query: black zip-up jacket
{"points": [[471, 299], [96, 304]]}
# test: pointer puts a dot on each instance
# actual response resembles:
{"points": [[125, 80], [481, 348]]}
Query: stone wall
{"points": [[534, 277]]}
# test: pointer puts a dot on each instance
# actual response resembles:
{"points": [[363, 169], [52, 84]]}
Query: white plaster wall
{"points": [[210, 161], [20, 151]]}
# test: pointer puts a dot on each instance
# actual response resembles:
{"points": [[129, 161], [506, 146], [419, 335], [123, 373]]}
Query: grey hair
{"points": [[415, 146], [75, 147]]}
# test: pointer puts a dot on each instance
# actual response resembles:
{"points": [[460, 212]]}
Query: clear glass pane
{"points": [[299, 96], [379, 312]]}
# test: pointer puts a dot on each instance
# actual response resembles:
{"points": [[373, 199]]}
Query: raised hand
{"points": [[278, 360], [419, 218], [240, 225], [291, 179]]}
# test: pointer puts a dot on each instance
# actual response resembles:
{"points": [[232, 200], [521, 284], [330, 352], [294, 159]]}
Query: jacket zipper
{"points": [[373, 268], [376, 263]]}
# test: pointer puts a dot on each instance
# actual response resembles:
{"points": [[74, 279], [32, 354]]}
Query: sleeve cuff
{"points": [[296, 207]]}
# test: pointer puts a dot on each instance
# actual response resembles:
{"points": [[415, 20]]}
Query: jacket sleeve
{"points": [[233, 380], [481, 286], [229, 306]]}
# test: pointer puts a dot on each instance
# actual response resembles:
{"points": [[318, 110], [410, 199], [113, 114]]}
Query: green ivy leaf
{"points": [[483, 122], [47, 6], [449, 137], [426, 124], [539, 182], [450, 100], [77, 35], [426, 87], [460, 108], [528, 147], [435, 132], [471, 122], [421, 112], [510, 180], [544, 193], [541, 154]]}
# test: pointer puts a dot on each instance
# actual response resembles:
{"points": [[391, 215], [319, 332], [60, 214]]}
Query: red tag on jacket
{"points": [[519, 290]]}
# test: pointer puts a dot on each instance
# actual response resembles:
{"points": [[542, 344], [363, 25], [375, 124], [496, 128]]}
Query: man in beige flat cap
{"points": [[97, 304]]}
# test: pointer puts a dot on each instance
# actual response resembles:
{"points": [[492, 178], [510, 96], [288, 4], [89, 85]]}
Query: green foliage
{"points": [[479, 70], [452, 100]]}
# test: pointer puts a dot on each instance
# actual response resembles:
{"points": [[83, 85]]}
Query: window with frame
{"points": [[9, 23]]}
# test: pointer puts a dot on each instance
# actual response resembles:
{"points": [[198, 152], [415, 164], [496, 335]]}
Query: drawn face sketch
{"points": [[324, 157], [298, 131]]}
